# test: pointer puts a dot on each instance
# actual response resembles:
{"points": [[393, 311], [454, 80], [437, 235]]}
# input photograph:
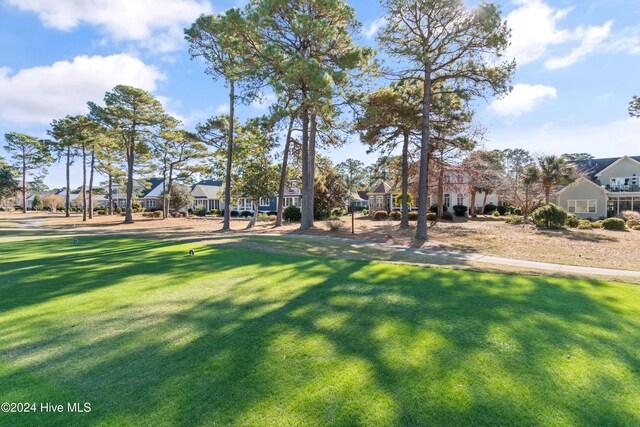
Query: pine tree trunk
{"points": [[283, 173], [421, 229], [110, 195], [441, 187], [84, 183], [93, 165], [472, 208], [226, 223], [128, 216], [168, 199], [24, 185], [67, 201], [306, 220], [404, 223]]}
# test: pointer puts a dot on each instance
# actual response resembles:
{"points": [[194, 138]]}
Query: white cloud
{"points": [[372, 28], [157, 24], [222, 109], [40, 94], [533, 29], [592, 38], [264, 102], [522, 99], [610, 139]]}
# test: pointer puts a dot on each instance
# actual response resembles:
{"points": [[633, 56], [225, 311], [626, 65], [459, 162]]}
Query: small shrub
{"points": [[201, 211], [447, 216], [636, 227], [614, 224], [434, 208], [489, 208], [515, 219], [584, 225], [460, 210], [117, 210], [337, 212], [413, 216], [234, 214], [365, 211], [631, 216], [573, 221], [516, 211], [395, 215], [335, 225], [632, 223], [157, 214], [549, 216], [380, 215], [246, 214], [292, 214], [101, 212], [272, 213], [495, 213], [431, 216], [272, 217], [596, 224], [502, 209]]}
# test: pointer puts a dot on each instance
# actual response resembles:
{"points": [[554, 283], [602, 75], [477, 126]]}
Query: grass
{"points": [[151, 336]]}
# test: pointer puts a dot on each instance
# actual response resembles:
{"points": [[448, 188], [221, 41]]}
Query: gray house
{"points": [[607, 188]]}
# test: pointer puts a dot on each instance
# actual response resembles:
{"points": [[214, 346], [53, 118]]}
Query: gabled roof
{"points": [[363, 195], [383, 187], [594, 167], [621, 159], [206, 189], [579, 181], [154, 182], [209, 182]]}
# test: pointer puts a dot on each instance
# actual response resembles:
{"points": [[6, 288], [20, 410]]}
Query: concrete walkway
{"points": [[462, 257]]}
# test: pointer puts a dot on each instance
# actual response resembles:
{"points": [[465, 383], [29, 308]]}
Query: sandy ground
{"points": [[592, 248]]}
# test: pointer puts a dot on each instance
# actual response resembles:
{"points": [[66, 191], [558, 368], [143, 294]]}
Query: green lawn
{"points": [[150, 336]]}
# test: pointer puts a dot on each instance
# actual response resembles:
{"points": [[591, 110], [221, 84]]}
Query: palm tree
{"points": [[553, 171]]}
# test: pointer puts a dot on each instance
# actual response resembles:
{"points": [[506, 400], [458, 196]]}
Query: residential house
{"points": [[148, 192], [359, 199], [605, 188], [207, 193]]}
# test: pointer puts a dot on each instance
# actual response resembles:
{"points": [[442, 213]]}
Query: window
{"points": [[292, 201], [380, 201], [264, 201], [582, 206], [149, 203], [447, 200], [460, 199]]}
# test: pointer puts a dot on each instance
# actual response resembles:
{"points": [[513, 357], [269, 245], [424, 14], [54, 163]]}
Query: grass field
{"points": [[151, 336]]}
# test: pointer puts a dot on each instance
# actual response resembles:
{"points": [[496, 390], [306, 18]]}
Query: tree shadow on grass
{"points": [[234, 336]]}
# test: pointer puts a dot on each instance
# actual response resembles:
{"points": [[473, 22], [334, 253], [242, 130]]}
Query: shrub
{"points": [[431, 216], [489, 208], [117, 210], [395, 215], [596, 224], [246, 214], [413, 216], [515, 219], [272, 217], [549, 216], [234, 214], [460, 210], [573, 221], [379, 215], [337, 212], [201, 211], [272, 213], [502, 209], [434, 208], [614, 224], [101, 212], [335, 224], [292, 214], [636, 227], [583, 224], [631, 216], [516, 211], [157, 214], [447, 216], [495, 213], [36, 203], [365, 211]]}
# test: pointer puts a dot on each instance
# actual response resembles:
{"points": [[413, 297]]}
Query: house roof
{"points": [[594, 167], [382, 187], [363, 194], [206, 189], [580, 181], [154, 183], [355, 196]]}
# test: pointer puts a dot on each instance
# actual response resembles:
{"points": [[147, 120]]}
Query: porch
{"points": [[619, 203]]}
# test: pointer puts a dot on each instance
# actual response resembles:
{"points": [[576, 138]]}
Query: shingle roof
{"points": [[383, 187], [210, 182], [154, 182], [363, 194], [592, 167]]}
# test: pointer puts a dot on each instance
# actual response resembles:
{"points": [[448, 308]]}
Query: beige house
{"points": [[607, 188]]}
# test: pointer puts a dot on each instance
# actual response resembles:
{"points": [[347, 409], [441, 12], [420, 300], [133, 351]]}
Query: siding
{"points": [[625, 169], [584, 191]]}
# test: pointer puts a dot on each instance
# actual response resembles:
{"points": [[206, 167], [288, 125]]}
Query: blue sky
{"points": [[578, 66]]}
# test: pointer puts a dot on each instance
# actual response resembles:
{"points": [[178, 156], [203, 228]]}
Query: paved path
{"points": [[471, 257]]}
